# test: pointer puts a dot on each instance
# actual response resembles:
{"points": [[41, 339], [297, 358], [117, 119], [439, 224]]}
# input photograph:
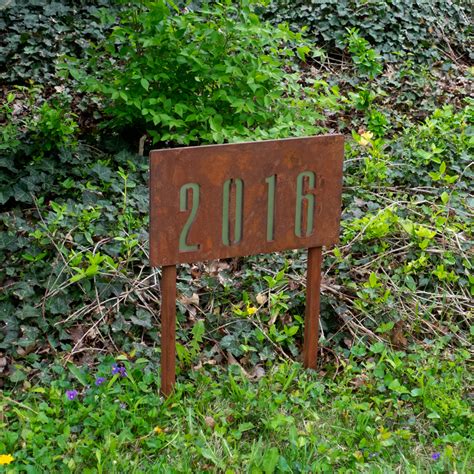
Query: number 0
{"points": [[239, 189]]}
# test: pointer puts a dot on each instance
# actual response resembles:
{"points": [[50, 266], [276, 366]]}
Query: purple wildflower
{"points": [[435, 456], [99, 381], [119, 370], [72, 394], [123, 406]]}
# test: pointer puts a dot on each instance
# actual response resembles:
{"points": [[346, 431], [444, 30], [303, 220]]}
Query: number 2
{"points": [[183, 206]]}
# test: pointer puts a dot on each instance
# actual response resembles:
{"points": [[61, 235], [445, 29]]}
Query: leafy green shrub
{"points": [[211, 75], [37, 32], [442, 146], [54, 127], [32, 128], [393, 26], [9, 131], [364, 57]]}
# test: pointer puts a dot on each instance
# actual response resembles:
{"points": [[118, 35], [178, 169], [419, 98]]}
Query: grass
{"points": [[379, 411]]}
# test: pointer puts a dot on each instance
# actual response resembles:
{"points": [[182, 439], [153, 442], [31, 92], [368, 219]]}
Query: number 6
{"points": [[299, 204]]}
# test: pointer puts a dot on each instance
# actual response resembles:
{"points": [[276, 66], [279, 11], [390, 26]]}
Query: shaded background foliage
{"points": [[429, 29], [36, 33]]}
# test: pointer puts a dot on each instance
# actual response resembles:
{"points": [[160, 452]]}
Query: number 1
{"points": [[271, 180]]}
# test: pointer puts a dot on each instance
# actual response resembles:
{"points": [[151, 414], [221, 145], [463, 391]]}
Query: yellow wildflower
{"points": [[158, 430], [6, 458], [365, 138], [251, 310]]}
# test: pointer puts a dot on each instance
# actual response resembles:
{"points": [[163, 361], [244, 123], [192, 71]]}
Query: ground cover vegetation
{"points": [[88, 88]]}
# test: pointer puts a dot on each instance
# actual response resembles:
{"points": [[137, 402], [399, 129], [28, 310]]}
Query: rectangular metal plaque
{"points": [[222, 201]]}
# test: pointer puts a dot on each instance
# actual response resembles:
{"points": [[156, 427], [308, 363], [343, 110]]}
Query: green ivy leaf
{"points": [[142, 318], [145, 84]]}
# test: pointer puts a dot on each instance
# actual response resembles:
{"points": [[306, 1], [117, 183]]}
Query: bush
{"points": [[365, 58], [393, 26], [32, 128], [212, 75]]}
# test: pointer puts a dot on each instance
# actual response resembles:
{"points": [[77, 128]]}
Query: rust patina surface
{"points": [[222, 201]]}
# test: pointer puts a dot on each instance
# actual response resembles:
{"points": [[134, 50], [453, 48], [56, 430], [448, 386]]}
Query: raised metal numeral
{"points": [[183, 206], [271, 180], [300, 197], [239, 194]]}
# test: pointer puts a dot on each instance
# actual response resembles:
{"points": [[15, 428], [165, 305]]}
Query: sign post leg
{"points": [[311, 320], [168, 329]]}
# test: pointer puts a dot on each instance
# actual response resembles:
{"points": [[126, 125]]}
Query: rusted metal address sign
{"points": [[223, 201]]}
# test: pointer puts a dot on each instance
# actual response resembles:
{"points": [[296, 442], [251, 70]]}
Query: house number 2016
{"points": [[237, 186], [272, 196]]}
